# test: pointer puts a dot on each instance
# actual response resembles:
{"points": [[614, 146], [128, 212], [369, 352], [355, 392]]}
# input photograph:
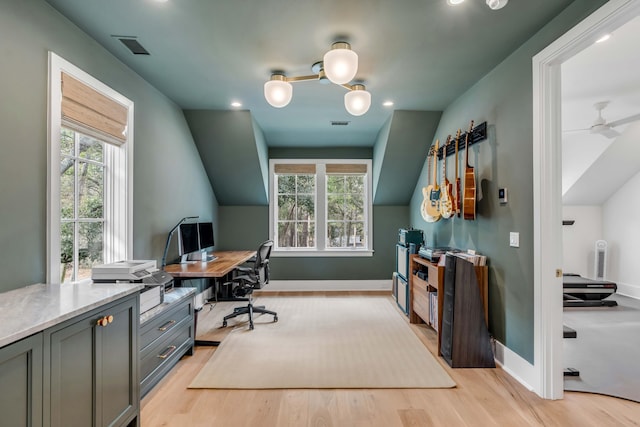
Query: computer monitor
{"points": [[188, 241], [205, 231]]}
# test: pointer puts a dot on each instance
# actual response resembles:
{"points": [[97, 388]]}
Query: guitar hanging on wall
{"points": [[446, 198], [456, 198], [429, 211], [469, 200]]}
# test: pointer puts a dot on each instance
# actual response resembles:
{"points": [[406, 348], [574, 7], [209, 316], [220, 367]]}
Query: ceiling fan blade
{"points": [[575, 130], [609, 133], [625, 120]]}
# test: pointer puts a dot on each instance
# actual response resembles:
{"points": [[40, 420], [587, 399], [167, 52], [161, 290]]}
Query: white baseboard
{"points": [[628, 290], [329, 285], [513, 364]]}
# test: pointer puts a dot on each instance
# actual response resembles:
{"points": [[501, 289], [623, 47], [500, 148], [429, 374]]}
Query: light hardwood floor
{"points": [[483, 397]]}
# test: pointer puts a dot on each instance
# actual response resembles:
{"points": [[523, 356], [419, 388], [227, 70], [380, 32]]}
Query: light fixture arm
{"points": [[302, 78]]}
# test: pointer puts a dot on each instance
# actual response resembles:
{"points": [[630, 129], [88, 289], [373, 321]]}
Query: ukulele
{"points": [[446, 199], [429, 213], [456, 199], [469, 199]]}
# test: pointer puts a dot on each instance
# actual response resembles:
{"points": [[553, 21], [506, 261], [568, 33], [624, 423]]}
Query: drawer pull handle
{"points": [[167, 352], [166, 325], [104, 321]]}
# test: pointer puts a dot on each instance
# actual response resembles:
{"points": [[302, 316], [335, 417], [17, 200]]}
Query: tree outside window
{"points": [[81, 204]]}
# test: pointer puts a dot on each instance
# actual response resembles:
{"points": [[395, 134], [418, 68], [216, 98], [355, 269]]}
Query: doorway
{"points": [[547, 183]]}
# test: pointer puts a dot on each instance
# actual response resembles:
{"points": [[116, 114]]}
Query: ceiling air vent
{"points": [[132, 44], [339, 123]]}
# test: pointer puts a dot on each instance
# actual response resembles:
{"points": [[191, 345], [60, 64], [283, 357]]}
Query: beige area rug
{"points": [[323, 342]]}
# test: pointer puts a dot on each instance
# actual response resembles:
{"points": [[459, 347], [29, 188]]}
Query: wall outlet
{"points": [[514, 239]]}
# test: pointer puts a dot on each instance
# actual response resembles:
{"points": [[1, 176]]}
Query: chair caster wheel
{"points": [[251, 327], [224, 323], [275, 318]]}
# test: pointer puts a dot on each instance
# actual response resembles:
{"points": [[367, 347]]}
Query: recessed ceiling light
{"points": [[236, 104], [454, 2], [387, 103], [603, 38]]}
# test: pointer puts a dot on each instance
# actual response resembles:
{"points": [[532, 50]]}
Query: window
{"points": [[90, 171], [320, 207]]}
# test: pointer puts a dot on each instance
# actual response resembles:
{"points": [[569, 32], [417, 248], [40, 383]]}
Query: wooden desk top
{"points": [[226, 261]]}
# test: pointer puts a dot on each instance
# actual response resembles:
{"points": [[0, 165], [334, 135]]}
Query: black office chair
{"points": [[247, 280]]}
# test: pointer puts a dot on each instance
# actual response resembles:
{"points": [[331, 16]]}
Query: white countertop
{"points": [[26, 311]]}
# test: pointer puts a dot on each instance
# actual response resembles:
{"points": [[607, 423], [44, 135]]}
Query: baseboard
{"points": [[632, 291], [513, 364], [329, 285]]}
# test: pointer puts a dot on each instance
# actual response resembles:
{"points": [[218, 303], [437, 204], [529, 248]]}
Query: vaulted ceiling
{"points": [[204, 54], [418, 54]]}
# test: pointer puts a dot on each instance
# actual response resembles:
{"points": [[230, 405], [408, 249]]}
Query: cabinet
{"points": [[166, 334], [21, 382], [427, 296], [92, 370]]}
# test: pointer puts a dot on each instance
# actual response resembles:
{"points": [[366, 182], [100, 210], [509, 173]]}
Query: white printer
{"points": [[140, 271]]}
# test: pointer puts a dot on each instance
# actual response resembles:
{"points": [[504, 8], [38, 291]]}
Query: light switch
{"points": [[514, 239]]}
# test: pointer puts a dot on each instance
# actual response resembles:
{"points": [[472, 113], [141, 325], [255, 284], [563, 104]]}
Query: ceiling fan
{"points": [[603, 127]]}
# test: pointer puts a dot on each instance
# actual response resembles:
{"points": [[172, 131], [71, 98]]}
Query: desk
{"points": [[219, 268], [223, 265]]}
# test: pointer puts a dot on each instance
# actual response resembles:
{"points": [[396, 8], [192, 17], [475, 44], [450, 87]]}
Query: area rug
{"points": [[323, 342]]}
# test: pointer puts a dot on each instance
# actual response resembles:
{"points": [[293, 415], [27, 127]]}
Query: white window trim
{"points": [[321, 212], [118, 239]]}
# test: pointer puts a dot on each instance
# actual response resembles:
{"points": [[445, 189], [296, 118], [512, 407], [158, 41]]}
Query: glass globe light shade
{"points": [[340, 63], [357, 101], [277, 91], [497, 4]]}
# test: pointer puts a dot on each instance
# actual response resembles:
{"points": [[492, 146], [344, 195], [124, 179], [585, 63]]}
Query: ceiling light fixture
{"points": [[339, 66], [497, 4], [454, 2]]}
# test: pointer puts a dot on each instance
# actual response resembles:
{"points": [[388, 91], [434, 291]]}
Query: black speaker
{"points": [[465, 341]]}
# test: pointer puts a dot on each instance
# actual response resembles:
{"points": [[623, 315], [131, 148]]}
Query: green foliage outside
{"points": [[345, 211], [81, 183]]}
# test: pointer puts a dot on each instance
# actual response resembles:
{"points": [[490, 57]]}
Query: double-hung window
{"points": [[321, 207], [90, 174]]}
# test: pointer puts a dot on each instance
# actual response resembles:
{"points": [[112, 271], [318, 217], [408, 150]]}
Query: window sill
{"points": [[326, 254]]}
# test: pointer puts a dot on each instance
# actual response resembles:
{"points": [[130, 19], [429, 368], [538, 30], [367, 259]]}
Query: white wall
{"points": [[579, 239], [621, 227]]}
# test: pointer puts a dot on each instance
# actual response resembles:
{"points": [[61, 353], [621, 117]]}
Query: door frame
{"points": [[547, 187]]}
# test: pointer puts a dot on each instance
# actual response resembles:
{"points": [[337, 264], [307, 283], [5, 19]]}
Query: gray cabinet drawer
{"points": [[159, 358], [165, 323]]}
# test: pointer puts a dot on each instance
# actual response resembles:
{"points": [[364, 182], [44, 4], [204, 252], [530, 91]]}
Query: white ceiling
{"points": [[594, 166]]}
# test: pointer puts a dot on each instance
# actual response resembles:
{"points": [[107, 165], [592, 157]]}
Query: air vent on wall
{"points": [[339, 123], [133, 45]]}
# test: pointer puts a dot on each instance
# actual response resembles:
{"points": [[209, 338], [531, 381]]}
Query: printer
{"points": [[136, 271]]}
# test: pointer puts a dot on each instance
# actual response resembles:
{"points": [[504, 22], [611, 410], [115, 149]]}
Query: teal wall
{"points": [[248, 226], [169, 178], [503, 99], [398, 159], [233, 151]]}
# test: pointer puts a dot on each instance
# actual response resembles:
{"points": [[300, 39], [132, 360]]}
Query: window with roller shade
{"points": [[321, 207], [90, 173]]}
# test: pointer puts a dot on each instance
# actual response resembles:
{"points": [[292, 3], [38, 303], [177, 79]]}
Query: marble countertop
{"points": [[26, 311]]}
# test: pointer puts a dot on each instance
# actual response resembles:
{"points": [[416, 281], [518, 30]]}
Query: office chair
{"points": [[249, 279]]}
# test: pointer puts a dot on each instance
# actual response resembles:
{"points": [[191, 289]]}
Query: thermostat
{"points": [[502, 195]]}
